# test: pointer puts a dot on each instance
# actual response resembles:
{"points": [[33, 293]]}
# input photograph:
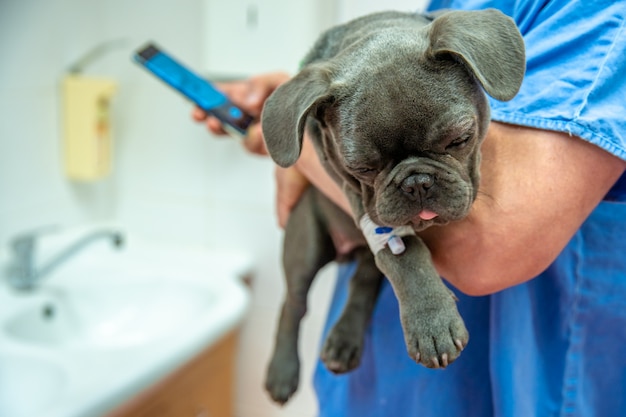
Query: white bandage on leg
{"points": [[380, 236]]}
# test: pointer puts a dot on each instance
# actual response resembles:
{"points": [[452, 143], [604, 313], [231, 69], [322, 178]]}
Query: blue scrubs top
{"points": [[555, 345]]}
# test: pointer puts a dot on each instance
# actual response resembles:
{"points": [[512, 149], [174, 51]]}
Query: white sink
{"points": [[109, 323], [110, 314], [28, 384]]}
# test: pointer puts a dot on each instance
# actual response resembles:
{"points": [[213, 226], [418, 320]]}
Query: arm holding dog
{"points": [[537, 188]]}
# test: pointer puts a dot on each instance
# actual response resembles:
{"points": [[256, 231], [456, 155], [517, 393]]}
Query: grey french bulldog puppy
{"points": [[394, 104]]}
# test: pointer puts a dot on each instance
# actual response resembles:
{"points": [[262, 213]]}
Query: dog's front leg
{"points": [[434, 331]]}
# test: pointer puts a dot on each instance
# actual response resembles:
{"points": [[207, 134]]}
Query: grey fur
{"points": [[395, 107]]}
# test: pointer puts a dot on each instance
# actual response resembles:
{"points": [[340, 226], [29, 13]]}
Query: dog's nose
{"points": [[415, 185]]}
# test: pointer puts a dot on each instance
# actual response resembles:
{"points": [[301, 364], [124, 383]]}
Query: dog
{"points": [[395, 106]]}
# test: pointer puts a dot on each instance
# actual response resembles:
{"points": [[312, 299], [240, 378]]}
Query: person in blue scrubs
{"points": [[543, 260]]}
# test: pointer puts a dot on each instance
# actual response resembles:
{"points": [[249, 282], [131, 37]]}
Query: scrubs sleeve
{"points": [[575, 78]]}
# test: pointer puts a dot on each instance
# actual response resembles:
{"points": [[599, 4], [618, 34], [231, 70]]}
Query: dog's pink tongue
{"points": [[427, 215]]}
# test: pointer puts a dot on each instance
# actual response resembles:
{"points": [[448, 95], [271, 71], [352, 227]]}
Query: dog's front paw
{"points": [[435, 333], [282, 378], [342, 350]]}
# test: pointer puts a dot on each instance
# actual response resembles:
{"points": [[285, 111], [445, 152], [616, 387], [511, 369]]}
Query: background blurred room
{"points": [[170, 179]]}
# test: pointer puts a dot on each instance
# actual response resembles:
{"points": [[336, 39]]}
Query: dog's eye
{"points": [[364, 171], [460, 142]]}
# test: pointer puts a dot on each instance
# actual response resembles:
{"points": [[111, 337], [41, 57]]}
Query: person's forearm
{"points": [[311, 167], [537, 188]]}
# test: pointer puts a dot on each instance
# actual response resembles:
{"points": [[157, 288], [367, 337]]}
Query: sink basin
{"points": [[111, 322], [28, 385], [110, 314]]}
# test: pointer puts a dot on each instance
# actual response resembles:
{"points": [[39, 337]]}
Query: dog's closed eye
{"points": [[459, 142], [363, 172]]}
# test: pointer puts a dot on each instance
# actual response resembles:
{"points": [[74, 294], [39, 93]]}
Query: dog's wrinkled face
{"points": [[414, 153], [397, 109]]}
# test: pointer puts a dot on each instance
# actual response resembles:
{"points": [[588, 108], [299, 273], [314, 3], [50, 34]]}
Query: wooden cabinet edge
{"points": [[203, 387]]}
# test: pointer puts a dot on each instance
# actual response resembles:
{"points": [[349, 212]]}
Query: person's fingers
{"points": [[212, 124], [215, 126], [198, 114], [262, 86], [253, 142], [251, 94]]}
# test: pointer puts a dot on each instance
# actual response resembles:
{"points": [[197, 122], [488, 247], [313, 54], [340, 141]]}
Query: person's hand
{"points": [[249, 95], [290, 184]]}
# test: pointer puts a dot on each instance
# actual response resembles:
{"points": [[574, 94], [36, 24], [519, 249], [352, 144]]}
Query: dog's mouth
{"points": [[391, 208], [427, 215], [420, 192], [427, 218]]}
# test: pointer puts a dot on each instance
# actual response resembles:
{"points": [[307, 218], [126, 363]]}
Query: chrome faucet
{"points": [[22, 271]]}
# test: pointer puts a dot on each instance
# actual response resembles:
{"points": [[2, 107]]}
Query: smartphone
{"points": [[200, 91]]}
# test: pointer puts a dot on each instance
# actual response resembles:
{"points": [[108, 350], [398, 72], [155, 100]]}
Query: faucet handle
{"points": [[24, 242], [21, 267]]}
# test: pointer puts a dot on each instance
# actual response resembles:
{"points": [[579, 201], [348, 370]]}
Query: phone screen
{"points": [[195, 88]]}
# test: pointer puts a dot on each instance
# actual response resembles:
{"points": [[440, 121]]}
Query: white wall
{"points": [[171, 179], [245, 36], [36, 43], [348, 9]]}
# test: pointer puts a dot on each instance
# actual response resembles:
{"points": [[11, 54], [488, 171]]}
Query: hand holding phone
{"points": [[198, 90], [250, 94]]}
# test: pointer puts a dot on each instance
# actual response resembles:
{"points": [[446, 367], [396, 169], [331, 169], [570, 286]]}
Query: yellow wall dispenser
{"points": [[87, 126]]}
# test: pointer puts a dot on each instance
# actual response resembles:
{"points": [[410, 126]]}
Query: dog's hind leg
{"points": [[307, 248], [344, 344]]}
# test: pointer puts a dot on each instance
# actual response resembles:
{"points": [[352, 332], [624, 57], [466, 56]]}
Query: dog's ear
{"points": [[285, 112], [488, 43]]}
